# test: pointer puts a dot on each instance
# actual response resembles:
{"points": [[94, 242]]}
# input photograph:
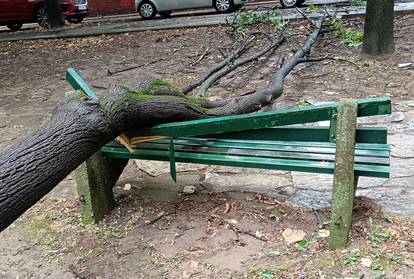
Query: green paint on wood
{"points": [[260, 120], [304, 134], [343, 184], [78, 83]]}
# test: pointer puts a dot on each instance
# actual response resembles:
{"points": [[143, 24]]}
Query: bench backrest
{"points": [[264, 125]]}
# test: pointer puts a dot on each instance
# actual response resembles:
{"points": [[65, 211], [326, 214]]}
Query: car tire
{"points": [[41, 17], [147, 10], [223, 6], [75, 20], [15, 26], [165, 13], [290, 3]]}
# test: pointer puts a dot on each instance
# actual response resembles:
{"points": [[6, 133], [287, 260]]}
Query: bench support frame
{"points": [[344, 182], [95, 179]]}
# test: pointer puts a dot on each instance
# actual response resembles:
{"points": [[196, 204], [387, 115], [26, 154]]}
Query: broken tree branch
{"points": [[216, 67], [217, 75], [253, 102]]}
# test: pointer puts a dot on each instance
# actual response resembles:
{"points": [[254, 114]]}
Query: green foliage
{"points": [[247, 18], [375, 234], [358, 3], [255, 273], [348, 35], [311, 8], [376, 266], [302, 244], [365, 64], [302, 103], [353, 258]]}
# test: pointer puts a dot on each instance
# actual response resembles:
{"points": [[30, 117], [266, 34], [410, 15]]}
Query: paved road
{"points": [[176, 22]]}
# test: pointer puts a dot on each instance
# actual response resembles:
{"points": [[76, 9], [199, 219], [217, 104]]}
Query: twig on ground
{"points": [[239, 230], [216, 205], [158, 217], [317, 216], [202, 56]]}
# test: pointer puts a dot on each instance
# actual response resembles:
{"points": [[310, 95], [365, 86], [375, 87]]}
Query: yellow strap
{"points": [[129, 143]]}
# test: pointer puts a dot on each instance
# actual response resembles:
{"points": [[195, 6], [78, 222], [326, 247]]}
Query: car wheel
{"points": [[75, 20], [165, 13], [223, 6], [41, 17], [147, 10], [15, 26], [290, 3]]}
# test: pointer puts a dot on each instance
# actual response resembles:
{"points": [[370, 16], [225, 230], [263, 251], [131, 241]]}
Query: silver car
{"points": [[149, 8]]}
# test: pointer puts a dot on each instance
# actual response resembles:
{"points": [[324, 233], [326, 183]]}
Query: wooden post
{"points": [[95, 179], [343, 183]]}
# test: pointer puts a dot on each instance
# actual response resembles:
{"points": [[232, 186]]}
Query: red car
{"points": [[13, 13]]}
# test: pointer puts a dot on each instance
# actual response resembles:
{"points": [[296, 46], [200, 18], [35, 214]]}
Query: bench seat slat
{"points": [[318, 148], [301, 134], [243, 161], [258, 153]]}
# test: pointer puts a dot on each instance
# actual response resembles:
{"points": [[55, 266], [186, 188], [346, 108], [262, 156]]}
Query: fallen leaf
{"points": [[291, 236], [227, 208], [323, 233], [232, 221], [189, 189]]}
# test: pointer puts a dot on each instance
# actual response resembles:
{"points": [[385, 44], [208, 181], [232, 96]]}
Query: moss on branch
{"points": [[159, 90]]}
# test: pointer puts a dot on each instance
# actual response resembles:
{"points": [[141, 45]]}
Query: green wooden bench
{"points": [[257, 140]]}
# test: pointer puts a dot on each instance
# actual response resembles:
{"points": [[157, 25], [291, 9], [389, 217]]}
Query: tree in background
{"points": [[379, 27], [54, 14]]}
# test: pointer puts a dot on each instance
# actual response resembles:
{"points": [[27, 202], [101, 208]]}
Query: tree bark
{"points": [[379, 27], [78, 128], [54, 14]]}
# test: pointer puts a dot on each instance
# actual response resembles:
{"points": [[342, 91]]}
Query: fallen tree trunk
{"points": [[79, 126]]}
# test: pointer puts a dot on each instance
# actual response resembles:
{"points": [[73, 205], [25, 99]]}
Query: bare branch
{"points": [[217, 75], [305, 16], [216, 67], [253, 102]]}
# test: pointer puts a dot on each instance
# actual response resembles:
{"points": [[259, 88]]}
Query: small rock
{"points": [[189, 189], [397, 116], [127, 187], [323, 233], [366, 262], [291, 236]]}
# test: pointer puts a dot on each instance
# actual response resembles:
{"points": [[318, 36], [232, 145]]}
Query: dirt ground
{"points": [[202, 235]]}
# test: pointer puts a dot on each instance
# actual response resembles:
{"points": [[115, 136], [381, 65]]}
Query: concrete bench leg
{"points": [[344, 183], [95, 179]]}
